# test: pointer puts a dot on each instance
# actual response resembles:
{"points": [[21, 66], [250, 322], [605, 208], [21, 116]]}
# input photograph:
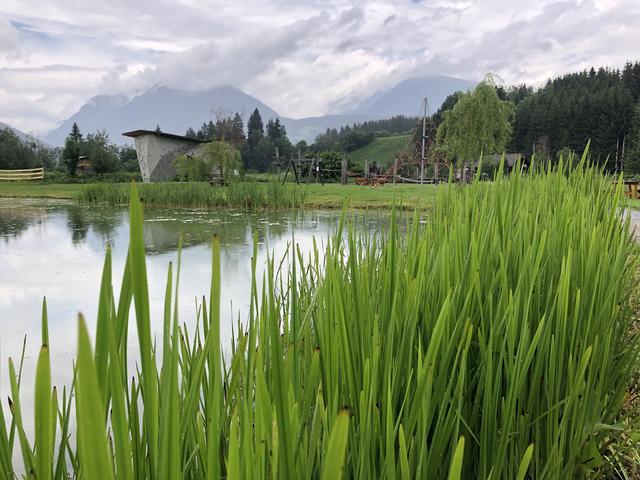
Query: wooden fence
{"points": [[20, 175]]}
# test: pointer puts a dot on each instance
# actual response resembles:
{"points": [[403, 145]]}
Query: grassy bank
{"points": [[381, 151], [67, 191], [492, 342], [201, 194], [240, 195]]}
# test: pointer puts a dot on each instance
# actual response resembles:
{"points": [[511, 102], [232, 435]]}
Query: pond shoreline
{"points": [[315, 196]]}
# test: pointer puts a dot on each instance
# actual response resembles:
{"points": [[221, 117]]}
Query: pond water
{"points": [[56, 250]]}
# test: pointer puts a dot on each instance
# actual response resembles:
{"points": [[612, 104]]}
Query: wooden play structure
{"points": [[410, 163], [631, 188]]}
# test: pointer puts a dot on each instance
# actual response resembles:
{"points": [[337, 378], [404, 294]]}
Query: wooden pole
{"points": [[311, 167], [395, 170], [366, 168], [424, 139], [295, 170], [343, 173]]}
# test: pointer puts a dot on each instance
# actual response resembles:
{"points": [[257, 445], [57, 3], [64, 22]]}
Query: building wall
{"points": [[156, 154]]}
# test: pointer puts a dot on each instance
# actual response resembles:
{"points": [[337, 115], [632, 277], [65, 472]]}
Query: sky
{"points": [[301, 57]]}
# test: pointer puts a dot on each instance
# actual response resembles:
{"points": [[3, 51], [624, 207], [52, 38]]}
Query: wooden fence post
{"points": [[344, 170]]}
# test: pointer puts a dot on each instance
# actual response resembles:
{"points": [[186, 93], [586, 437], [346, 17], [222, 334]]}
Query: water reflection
{"points": [[56, 249], [163, 227], [16, 219]]}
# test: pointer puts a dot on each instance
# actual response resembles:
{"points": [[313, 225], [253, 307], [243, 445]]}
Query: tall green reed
{"points": [[239, 195], [492, 342]]}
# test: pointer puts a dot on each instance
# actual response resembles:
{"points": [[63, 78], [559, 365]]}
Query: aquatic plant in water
{"points": [[492, 342], [238, 195]]}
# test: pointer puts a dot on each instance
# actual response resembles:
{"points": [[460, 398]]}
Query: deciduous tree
{"points": [[478, 123]]}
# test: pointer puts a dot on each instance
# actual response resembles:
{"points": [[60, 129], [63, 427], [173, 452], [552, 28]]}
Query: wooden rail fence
{"points": [[20, 175]]}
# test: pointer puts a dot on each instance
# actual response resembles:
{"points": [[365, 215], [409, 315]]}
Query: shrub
{"points": [[191, 168]]}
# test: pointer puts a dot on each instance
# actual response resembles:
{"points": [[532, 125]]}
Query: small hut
{"points": [[83, 167], [157, 150]]}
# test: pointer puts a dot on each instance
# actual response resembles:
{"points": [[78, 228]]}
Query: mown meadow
{"points": [[493, 341]]}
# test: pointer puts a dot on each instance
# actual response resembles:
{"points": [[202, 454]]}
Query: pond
{"points": [[56, 250]]}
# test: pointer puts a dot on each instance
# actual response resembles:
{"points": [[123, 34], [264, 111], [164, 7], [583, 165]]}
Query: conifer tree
{"points": [[71, 150], [238, 128]]}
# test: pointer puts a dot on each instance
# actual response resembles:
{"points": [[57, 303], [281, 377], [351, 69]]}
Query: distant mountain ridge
{"points": [[25, 137], [175, 110], [405, 98]]}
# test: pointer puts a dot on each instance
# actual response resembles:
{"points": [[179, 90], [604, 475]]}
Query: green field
{"points": [[315, 195], [381, 150], [39, 189]]}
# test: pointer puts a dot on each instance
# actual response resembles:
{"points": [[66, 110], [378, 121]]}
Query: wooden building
{"points": [[83, 167], [157, 150]]}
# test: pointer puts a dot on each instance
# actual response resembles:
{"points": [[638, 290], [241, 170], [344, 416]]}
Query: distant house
{"points": [[83, 167], [157, 150]]}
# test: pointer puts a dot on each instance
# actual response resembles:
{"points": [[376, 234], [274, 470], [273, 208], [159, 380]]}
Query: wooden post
{"points": [[295, 171], [343, 173], [311, 167], [395, 170], [424, 138], [366, 168]]}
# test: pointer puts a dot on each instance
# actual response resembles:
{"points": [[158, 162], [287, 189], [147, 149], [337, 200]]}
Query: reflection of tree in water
{"points": [[15, 221], [78, 224], [103, 222], [163, 227]]}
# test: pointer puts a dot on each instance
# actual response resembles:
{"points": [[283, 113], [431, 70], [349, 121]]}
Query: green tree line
{"points": [[104, 156], [601, 105]]}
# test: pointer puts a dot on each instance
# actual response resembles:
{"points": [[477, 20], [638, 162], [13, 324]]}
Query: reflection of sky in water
{"points": [[56, 250]]}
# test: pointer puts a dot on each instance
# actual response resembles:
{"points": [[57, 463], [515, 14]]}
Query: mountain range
{"points": [[176, 110], [25, 137]]}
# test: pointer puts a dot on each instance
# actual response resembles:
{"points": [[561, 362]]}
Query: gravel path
{"points": [[634, 215]]}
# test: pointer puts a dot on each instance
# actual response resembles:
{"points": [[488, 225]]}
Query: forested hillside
{"points": [[601, 106], [597, 105], [381, 151]]}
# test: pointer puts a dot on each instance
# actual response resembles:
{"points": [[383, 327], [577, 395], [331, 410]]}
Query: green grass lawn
{"points": [[39, 189], [317, 196], [356, 196], [381, 150], [635, 204]]}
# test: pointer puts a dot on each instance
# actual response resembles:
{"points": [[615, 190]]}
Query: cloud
{"points": [[306, 57], [8, 40]]}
